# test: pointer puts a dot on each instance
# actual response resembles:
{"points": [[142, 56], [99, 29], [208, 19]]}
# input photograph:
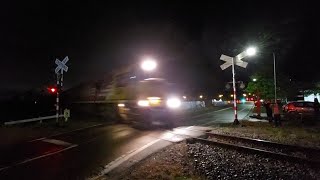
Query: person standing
{"points": [[267, 105], [258, 108], [316, 108], [276, 114]]}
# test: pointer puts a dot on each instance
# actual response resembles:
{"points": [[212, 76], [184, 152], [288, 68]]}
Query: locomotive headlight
{"points": [[143, 103], [154, 100], [173, 102]]}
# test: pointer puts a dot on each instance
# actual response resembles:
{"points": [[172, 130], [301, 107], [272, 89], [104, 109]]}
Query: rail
{"points": [[262, 147], [257, 146]]}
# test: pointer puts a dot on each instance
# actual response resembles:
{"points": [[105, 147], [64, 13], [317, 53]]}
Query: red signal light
{"points": [[52, 89]]}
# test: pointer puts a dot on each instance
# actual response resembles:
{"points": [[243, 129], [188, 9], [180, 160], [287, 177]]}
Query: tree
{"points": [[264, 86]]}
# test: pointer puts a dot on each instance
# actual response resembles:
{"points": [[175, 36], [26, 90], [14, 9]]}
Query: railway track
{"points": [[279, 151]]}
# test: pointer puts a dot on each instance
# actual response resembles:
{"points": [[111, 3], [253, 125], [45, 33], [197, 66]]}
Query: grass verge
{"points": [[291, 132]]}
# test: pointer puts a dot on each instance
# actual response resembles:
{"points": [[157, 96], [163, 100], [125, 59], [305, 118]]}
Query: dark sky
{"points": [[186, 38]]}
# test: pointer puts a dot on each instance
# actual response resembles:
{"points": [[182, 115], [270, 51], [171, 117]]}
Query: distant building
{"points": [[311, 97]]}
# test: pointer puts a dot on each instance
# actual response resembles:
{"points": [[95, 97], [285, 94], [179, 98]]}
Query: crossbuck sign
{"points": [[61, 65], [228, 62], [233, 61]]}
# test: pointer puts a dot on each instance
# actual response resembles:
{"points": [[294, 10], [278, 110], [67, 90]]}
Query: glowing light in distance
{"points": [[143, 103], [173, 103], [251, 51], [148, 64]]}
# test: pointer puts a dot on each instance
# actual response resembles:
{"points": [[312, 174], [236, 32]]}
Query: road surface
{"points": [[86, 153]]}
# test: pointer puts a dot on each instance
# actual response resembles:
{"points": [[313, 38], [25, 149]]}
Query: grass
{"points": [[289, 133]]}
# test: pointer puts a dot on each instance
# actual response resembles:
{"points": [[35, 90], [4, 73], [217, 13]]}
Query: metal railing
{"points": [[31, 120]]}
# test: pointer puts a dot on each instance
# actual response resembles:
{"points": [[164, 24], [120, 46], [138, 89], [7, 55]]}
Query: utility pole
{"points": [[274, 77], [236, 121]]}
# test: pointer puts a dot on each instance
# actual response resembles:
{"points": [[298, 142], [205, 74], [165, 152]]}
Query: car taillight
{"points": [[290, 107]]}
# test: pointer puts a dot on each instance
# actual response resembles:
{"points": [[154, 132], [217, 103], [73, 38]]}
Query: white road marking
{"points": [[58, 134], [222, 109], [57, 142], [170, 136], [242, 109], [207, 123], [76, 130], [125, 157], [39, 157], [211, 112], [39, 139]]}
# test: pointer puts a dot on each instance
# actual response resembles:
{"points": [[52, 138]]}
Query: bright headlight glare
{"points": [[173, 103], [121, 105], [143, 103], [154, 100]]}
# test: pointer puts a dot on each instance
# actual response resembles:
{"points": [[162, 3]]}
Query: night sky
{"points": [[187, 39]]}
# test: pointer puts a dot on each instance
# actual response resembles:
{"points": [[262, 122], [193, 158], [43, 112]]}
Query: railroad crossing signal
{"points": [[228, 62], [233, 61], [61, 65]]}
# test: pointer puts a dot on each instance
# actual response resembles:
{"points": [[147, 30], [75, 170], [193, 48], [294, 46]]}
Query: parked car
{"points": [[299, 108]]}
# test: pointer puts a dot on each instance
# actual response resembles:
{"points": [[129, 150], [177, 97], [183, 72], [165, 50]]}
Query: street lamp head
{"points": [[148, 64], [254, 79], [251, 51]]}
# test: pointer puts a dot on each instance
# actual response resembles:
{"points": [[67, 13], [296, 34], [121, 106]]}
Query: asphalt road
{"points": [[83, 154]]}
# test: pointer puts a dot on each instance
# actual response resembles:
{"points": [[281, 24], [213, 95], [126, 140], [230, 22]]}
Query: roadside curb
{"points": [[249, 113], [128, 160], [132, 158]]}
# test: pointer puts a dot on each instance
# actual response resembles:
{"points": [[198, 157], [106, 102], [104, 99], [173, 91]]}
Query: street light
{"points": [[200, 96], [221, 95], [244, 95], [248, 52], [251, 51], [254, 79], [148, 64]]}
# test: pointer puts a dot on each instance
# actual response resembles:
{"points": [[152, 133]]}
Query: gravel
{"points": [[172, 162], [200, 161], [219, 163], [296, 153]]}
